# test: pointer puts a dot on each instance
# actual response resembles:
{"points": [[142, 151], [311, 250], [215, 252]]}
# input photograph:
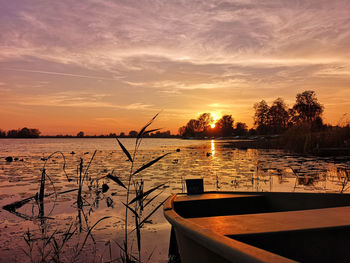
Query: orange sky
{"points": [[109, 66]]}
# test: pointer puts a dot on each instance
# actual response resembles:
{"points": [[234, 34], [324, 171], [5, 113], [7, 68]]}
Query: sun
{"points": [[216, 116]]}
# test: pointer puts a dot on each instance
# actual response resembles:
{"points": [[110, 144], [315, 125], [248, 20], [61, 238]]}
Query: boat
{"points": [[259, 227]]}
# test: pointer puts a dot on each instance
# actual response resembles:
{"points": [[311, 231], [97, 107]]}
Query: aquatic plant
{"points": [[138, 202], [47, 247]]}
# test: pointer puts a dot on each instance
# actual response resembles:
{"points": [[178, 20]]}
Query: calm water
{"points": [[222, 168]]}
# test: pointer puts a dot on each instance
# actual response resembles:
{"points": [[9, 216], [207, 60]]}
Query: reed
{"points": [[137, 204]]}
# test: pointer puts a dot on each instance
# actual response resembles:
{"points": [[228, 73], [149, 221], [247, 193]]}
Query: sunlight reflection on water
{"points": [[212, 143]]}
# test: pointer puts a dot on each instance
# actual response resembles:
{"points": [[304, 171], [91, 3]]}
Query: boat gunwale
{"points": [[228, 248]]}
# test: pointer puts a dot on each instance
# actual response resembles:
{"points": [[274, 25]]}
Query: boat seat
{"points": [[276, 222]]}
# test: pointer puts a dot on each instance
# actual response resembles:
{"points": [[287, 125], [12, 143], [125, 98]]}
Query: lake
{"points": [[24, 234]]}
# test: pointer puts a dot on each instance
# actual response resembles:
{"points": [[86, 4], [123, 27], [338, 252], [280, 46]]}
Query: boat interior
{"points": [[304, 227]]}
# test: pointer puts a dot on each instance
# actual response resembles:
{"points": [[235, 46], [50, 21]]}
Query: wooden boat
{"points": [[260, 227]]}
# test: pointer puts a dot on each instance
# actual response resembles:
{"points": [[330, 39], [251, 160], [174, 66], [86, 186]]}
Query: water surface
{"points": [[222, 168]]}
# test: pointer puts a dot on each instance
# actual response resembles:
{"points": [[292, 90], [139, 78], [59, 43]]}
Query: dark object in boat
{"points": [[9, 159], [194, 186], [260, 227], [178, 150], [72, 152]]}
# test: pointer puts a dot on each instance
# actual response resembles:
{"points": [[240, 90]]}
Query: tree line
{"points": [[274, 119], [277, 118], [201, 127], [35, 133], [20, 133]]}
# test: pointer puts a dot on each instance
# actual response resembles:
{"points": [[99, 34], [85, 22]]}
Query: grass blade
{"points": [[150, 163], [89, 232], [150, 214], [87, 168], [142, 195], [154, 197], [141, 132], [125, 151], [132, 210], [116, 179]]}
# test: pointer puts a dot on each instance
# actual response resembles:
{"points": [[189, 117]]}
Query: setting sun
{"points": [[216, 116]]}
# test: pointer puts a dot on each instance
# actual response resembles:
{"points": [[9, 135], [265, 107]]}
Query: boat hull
{"points": [[260, 227]]}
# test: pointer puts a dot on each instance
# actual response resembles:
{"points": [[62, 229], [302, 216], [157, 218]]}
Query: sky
{"points": [[105, 66]]}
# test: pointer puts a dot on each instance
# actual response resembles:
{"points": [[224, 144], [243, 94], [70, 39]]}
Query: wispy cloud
{"points": [[77, 99], [55, 73]]}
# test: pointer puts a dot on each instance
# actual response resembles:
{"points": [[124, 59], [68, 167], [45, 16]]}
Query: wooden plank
{"points": [[275, 222], [209, 196]]}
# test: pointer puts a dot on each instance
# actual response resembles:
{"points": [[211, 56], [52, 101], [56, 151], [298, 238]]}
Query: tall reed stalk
{"points": [[140, 195]]}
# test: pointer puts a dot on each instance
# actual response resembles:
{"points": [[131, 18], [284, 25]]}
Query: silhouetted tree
{"points": [[203, 122], [307, 108], [80, 134], [225, 125], [2, 133], [198, 127], [159, 134], [192, 128], [261, 116], [278, 117], [28, 133], [23, 133], [252, 132], [133, 134], [182, 130], [12, 133], [241, 129]]}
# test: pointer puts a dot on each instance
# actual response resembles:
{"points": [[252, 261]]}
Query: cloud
{"points": [[188, 53], [101, 32], [55, 73], [77, 99]]}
